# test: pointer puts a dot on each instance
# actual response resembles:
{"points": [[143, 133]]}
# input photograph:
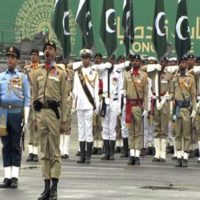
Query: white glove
{"points": [[145, 114], [127, 63], [72, 110], [97, 110], [196, 69], [158, 67], [108, 65], [193, 114], [159, 106], [26, 114], [198, 105], [124, 99]]}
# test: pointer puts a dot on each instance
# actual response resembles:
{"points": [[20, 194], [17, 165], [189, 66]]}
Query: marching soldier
{"points": [[112, 86], [160, 107], [65, 137], [33, 135], [15, 97], [50, 103], [86, 100], [183, 92], [136, 87], [97, 126]]}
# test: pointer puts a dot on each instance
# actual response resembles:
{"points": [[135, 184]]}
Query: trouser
{"points": [[135, 130], [182, 130], [97, 131], [33, 135], [109, 122], [65, 138], [124, 129], [49, 128], [11, 150], [148, 132], [85, 125]]}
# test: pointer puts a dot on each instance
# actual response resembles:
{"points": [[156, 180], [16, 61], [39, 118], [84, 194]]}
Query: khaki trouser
{"points": [[183, 130], [197, 125], [161, 121], [49, 128], [33, 135], [135, 132], [97, 127]]}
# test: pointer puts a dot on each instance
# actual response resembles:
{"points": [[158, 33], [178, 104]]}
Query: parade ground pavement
{"points": [[112, 180]]}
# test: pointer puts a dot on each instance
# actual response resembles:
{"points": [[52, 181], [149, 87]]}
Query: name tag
{"points": [[164, 81], [54, 78]]}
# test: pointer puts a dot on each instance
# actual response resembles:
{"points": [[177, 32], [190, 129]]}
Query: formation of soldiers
{"points": [[132, 105]]}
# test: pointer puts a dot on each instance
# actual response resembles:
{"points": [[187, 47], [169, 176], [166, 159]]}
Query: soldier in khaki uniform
{"points": [[183, 92], [65, 137], [33, 135], [136, 87], [196, 72], [160, 107], [50, 103]]}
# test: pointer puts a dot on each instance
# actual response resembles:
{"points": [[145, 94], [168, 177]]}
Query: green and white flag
{"points": [[108, 27], [60, 24], [159, 32], [182, 33], [84, 20], [128, 24]]}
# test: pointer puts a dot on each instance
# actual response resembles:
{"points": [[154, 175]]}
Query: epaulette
{"points": [[118, 71], [61, 66]]}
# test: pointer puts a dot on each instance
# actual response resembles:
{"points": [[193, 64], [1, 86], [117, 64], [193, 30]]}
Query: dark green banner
{"points": [[21, 19]]}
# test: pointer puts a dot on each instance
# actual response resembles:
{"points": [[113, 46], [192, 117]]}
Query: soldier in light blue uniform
{"points": [[15, 102]]}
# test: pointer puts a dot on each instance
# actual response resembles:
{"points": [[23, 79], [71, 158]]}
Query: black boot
{"points": [[14, 183], [178, 162], [131, 161], [53, 190], [89, 152], [30, 158], [106, 156], [35, 158], [137, 161], [112, 149], [82, 148], [45, 194], [6, 183], [184, 163], [125, 146]]}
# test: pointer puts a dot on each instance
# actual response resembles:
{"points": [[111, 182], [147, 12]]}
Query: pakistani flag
{"points": [[128, 24], [60, 25], [182, 33], [108, 27], [159, 32], [84, 20]]}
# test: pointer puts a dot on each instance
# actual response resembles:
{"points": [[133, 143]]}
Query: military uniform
{"points": [[50, 103], [112, 86], [15, 97], [33, 142], [65, 138], [136, 87], [160, 109], [86, 98], [183, 92]]}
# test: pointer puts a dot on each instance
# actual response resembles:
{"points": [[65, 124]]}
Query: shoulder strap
{"points": [[85, 88], [181, 89]]}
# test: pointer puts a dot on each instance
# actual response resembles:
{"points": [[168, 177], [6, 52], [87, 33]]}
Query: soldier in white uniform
{"points": [[86, 101], [112, 86]]}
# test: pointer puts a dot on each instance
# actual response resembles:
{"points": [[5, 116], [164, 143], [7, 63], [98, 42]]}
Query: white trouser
{"points": [[109, 122], [85, 122], [64, 144], [123, 123], [148, 133]]}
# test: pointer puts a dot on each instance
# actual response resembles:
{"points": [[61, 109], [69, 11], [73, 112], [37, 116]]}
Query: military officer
{"points": [[183, 92], [97, 125], [160, 107], [65, 137], [50, 104], [33, 135], [86, 102], [136, 87], [14, 98]]}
